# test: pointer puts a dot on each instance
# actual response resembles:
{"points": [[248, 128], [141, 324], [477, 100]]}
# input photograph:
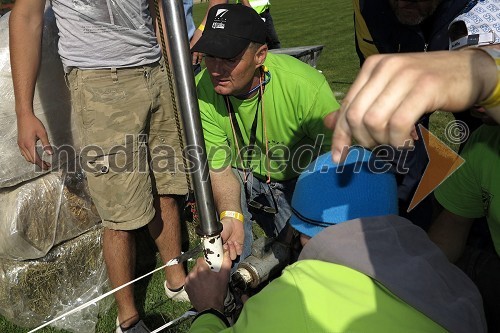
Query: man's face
{"points": [[413, 12], [234, 76]]}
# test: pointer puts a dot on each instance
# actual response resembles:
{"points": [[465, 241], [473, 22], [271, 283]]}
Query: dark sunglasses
{"points": [[264, 208], [257, 205]]}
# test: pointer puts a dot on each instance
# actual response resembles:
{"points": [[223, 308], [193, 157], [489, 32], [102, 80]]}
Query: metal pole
{"points": [[180, 58]]}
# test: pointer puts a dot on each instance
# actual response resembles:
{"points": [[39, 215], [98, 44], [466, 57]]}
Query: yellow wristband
{"points": [[493, 99], [201, 27], [233, 214]]}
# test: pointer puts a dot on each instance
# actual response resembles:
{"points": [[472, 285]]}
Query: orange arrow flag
{"points": [[443, 161]]}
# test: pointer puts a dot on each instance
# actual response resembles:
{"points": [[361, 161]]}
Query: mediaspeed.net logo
{"points": [[443, 161]]}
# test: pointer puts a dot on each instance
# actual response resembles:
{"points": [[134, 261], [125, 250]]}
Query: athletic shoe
{"points": [[179, 295], [139, 327]]}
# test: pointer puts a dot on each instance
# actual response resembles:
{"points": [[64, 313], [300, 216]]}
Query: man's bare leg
{"points": [[167, 235], [119, 256]]}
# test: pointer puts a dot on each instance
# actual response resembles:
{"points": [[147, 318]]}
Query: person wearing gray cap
{"points": [[262, 117], [361, 268]]}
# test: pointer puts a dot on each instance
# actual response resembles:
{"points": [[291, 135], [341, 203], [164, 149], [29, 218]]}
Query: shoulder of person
{"points": [[486, 134], [204, 86], [285, 66]]}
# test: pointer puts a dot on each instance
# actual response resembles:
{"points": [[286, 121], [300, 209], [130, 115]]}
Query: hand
{"points": [[233, 236], [197, 57], [29, 130], [207, 289], [391, 92]]}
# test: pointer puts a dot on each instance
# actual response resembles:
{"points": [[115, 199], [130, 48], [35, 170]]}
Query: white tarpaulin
{"points": [[44, 212]]}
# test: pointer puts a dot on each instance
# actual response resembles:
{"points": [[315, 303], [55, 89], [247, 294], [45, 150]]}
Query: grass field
{"points": [[298, 23]]}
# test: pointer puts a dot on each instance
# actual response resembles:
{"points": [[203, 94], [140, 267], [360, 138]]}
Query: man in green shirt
{"points": [[472, 194], [262, 117], [360, 270]]}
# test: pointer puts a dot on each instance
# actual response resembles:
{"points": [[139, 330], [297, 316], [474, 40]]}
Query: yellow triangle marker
{"points": [[443, 161]]}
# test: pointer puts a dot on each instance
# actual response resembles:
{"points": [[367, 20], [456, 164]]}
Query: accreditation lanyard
{"points": [[237, 131], [251, 145], [238, 136]]}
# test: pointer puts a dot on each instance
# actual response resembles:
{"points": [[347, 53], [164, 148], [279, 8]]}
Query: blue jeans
{"points": [[277, 195]]}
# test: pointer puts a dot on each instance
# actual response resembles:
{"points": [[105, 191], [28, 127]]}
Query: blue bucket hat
{"points": [[327, 193]]}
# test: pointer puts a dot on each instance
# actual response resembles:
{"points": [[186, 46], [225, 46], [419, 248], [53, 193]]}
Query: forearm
{"points": [[246, 3], [25, 35], [484, 73], [449, 232], [488, 66], [227, 196], [392, 91], [226, 189], [197, 57], [211, 3]]}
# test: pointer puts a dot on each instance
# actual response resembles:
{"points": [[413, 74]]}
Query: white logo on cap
{"points": [[220, 13], [219, 21]]}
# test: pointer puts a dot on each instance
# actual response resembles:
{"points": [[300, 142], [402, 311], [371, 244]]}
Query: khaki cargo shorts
{"points": [[130, 141]]}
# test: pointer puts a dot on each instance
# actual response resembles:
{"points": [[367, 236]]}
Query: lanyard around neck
{"points": [[237, 134]]}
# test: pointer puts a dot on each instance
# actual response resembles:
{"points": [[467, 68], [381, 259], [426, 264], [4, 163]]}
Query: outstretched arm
{"points": [[393, 91], [25, 36], [450, 231], [227, 190]]}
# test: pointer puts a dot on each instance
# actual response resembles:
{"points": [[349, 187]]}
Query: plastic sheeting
{"points": [[51, 105], [43, 212], [71, 274]]}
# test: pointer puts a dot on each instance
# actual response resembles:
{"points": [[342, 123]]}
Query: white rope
{"points": [[186, 314], [97, 299]]}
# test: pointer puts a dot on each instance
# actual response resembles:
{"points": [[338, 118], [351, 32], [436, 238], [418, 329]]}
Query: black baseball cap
{"points": [[229, 29]]}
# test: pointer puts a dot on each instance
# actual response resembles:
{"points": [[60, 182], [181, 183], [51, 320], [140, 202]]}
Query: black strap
{"points": [[253, 132], [216, 313], [311, 221]]}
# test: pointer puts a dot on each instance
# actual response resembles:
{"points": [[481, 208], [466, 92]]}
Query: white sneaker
{"points": [[139, 327], [180, 295]]}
